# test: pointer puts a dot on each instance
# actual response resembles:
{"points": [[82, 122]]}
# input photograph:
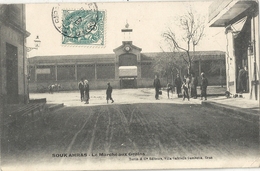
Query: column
{"points": [[139, 65], [199, 67], [95, 71], [35, 73], [116, 70], [231, 63], [76, 71], [56, 73]]}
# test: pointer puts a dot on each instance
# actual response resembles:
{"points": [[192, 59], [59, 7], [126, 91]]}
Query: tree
{"points": [[193, 27], [168, 64]]}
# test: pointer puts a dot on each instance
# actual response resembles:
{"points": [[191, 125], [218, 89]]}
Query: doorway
{"points": [[241, 42], [11, 74], [128, 83]]}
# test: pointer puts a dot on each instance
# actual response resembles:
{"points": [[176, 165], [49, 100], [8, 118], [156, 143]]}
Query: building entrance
{"points": [[11, 73], [128, 83], [241, 42], [127, 75]]}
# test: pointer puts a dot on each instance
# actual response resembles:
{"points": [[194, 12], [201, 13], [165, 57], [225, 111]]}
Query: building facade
{"points": [[127, 67], [240, 18], [13, 54]]}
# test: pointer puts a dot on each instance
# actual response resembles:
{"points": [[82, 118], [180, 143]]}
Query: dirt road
{"points": [[180, 131]]}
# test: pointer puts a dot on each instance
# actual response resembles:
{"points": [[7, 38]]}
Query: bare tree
{"points": [[193, 27], [168, 64]]}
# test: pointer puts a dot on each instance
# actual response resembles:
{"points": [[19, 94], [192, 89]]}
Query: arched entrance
{"points": [[128, 69]]}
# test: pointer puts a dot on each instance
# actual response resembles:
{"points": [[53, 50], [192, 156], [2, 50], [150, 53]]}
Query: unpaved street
{"points": [[156, 130]]}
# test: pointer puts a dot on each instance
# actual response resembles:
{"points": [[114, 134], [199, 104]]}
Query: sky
{"points": [[147, 19]]}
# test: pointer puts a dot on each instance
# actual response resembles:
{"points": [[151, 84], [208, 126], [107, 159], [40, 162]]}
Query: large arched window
{"points": [[127, 59]]}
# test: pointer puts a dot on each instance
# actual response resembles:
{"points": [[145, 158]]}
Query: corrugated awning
{"points": [[128, 71], [228, 12]]}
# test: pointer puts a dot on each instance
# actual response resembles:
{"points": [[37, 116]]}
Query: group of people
{"points": [[84, 91], [186, 86]]}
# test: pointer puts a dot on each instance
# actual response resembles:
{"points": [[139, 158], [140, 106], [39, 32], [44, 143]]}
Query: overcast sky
{"points": [[147, 19]]}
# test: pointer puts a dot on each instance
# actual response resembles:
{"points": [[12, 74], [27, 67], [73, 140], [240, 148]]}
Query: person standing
{"points": [[178, 84], [157, 86], [169, 88], [203, 87], [185, 89], [86, 91], [109, 92], [240, 79], [81, 89], [193, 86], [245, 80], [188, 80]]}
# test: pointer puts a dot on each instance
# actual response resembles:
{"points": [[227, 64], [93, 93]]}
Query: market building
{"points": [[13, 55], [127, 67], [240, 18]]}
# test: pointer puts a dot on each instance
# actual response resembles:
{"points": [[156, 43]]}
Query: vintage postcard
{"points": [[129, 85]]}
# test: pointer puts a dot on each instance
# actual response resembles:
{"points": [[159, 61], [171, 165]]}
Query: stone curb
{"points": [[235, 111], [42, 100], [55, 107]]}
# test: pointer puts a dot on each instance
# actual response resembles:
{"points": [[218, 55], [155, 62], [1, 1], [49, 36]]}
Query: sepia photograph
{"points": [[129, 85]]}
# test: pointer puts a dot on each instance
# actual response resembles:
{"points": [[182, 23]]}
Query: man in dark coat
{"points": [[86, 91], [81, 89], [203, 87], [157, 86], [109, 92], [193, 86], [178, 84], [242, 80]]}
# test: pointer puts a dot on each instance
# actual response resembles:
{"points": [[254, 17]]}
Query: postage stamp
{"points": [[84, 26]]}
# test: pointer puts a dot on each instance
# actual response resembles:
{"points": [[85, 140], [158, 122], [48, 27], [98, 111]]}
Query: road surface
{"points": [[135, 127]]}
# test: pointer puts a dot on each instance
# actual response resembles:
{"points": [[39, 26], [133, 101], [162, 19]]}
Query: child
{"points": [[169, 88], [109, 93]]}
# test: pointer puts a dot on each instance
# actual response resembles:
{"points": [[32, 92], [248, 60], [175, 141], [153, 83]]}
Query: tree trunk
{"points": [[221, 83]]}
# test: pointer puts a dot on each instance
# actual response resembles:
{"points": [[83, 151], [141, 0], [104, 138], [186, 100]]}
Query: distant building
{"points": [[240, 18], [13, 63], [126, 68]]}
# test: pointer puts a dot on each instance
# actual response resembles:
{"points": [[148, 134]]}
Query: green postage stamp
{"points": [[83, 27]]}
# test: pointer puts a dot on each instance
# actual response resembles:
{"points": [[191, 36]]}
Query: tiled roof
{"points": [[74, 58], [99, 58], [202, 55]]}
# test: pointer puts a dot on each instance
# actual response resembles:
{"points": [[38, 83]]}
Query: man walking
{"points": [[157, 86], [203, 87], [109, 92], [81, 89]]}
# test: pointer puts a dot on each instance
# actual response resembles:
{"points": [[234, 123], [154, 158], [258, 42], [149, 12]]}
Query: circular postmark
{"points": [[75, 23]]}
